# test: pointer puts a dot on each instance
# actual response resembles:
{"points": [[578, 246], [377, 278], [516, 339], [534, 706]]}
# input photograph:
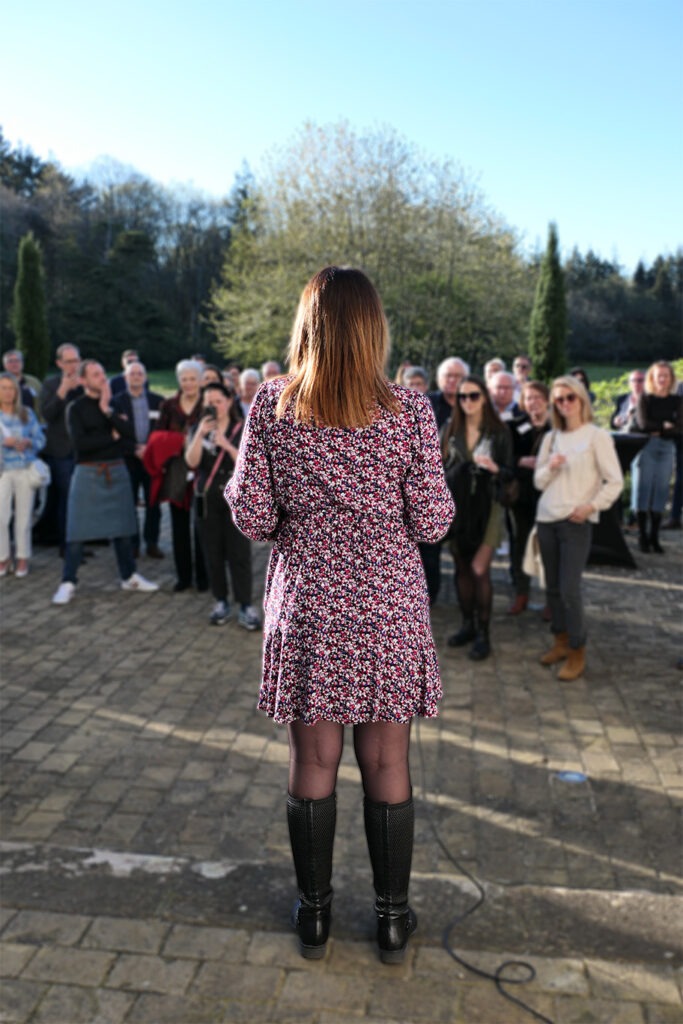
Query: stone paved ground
{"points": [[146, 872]]}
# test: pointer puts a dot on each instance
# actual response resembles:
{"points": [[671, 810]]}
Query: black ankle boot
{"points": [[466, 633], [655, 523], [311, 832], [643, 539], [389, 829], [481, 648]]}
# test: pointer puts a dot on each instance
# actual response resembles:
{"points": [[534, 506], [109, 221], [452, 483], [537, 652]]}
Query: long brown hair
{"points": [[337, 352], [490, 423]]}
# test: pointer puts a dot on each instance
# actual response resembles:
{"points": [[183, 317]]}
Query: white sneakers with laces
{"points": [[139, 583]]}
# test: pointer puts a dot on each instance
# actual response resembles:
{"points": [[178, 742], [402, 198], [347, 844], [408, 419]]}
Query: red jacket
{"points": [[162, 446]]}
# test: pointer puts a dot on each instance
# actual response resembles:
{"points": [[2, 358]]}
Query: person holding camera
{"points": [[211, 452]]}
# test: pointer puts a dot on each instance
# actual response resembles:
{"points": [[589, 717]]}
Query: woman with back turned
{"points": [[341, 469]]}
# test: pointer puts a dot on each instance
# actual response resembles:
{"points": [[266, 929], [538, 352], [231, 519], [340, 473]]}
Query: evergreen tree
{"points": [[28, 313], [548, 323]]}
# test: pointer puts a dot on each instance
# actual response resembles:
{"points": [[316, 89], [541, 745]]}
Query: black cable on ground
{"points": [[498, 977]]}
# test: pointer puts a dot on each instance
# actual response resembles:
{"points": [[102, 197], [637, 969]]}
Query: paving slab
{"points": [[146, 872]]}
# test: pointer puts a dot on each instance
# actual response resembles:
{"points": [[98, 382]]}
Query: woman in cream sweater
{"points": [[579, 475]]}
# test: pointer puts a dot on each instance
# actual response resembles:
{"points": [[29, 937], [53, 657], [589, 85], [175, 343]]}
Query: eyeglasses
{"points": [[469, 396], [564, 399]]}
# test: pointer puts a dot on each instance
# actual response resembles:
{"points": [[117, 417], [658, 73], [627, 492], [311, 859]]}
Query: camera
{"points": [[210, 412]]}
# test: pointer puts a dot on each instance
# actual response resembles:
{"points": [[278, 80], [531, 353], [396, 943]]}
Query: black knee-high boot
{"points": [[643, 539], [655, 523], [389, 829], [311, 832]]}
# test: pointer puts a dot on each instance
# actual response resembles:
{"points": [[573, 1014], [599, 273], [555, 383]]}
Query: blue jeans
{"points": [[655, 465], [565, 548], [58, 493], [140, 478], [677, 498], [123, 548]]}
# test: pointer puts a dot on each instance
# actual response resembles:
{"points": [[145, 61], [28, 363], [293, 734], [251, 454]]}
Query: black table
{"points": [[608, 546]]}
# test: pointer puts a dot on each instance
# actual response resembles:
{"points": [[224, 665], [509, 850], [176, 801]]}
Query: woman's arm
{"points": [[643, 417], [611, 476], [35, 433], [429, 507], [251, 491], [193, 446]]}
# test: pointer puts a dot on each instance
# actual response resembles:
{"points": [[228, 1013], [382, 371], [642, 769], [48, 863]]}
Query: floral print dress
{"points": [[347, 634]]}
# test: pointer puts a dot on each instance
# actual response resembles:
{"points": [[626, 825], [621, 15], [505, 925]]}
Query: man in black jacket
{"points": [[55, 395], [140, 407]]}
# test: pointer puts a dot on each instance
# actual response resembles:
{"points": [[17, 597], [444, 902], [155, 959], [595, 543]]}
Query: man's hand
{"points": [[105, 398], [69, 381]]}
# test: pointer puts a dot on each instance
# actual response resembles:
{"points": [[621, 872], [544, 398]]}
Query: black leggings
{"points": [[475, 590], [381, 750]]}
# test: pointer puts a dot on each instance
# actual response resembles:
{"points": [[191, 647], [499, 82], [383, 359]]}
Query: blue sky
{"points": [[564, 111]]}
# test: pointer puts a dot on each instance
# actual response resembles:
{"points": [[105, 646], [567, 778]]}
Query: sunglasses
{"points": [[565, 399], [469, 396]]}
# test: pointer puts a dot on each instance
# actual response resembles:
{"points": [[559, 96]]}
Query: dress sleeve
{"points": [[429, 507], [609, 470], [250, 492]]}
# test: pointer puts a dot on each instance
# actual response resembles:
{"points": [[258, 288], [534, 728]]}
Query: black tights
{"points": [[381, 750], [475, 590]]}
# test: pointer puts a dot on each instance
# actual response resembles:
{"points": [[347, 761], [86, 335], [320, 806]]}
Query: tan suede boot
{"points": [[559, 650], [574, 665]]}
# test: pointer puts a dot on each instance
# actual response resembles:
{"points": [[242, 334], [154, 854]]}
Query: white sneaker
{"points": [[220, 614], [139, 583], [64, 593], [248, 619]]}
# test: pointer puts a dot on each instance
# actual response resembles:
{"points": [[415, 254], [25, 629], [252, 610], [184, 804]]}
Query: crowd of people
{"points": [[527, 465], [182, 450], [109, 445]]}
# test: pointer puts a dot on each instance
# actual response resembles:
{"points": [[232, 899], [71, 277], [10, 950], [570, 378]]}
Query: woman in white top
{"points": [[579, 475]]}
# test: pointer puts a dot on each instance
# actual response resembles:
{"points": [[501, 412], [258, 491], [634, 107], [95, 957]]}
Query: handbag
{"points": [[39, 474], [532, 563], [508, 492], [175, 481]]}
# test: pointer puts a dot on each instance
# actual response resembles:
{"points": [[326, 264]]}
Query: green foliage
{"points": [[548, 323], [448, 271], [611, 318], [28, 312], [128, 263]]}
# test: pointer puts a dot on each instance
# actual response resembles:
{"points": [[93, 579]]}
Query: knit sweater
{"points": [[591, 475]]}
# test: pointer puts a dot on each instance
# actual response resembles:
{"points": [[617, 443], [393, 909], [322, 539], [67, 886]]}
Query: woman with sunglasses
{"points": [[477, 452], [579, 475]]}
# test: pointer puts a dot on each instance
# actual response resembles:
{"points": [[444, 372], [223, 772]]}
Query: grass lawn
{"points": [[163, 381]]}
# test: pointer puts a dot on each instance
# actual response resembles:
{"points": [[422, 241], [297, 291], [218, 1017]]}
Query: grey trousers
{"points": [[564, 550]]}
